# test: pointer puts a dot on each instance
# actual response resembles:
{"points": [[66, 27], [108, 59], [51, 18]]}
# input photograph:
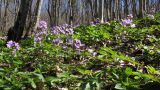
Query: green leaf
{"points": [[151, 70], [88, 87], [136, 77], [32, 82], [116, 75], [84, 71], [40, 76], [119, 86], [7, 88], [128, 71], [52, 80]]}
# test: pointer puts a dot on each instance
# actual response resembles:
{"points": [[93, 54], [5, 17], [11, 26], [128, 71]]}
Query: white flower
{"points": [[133, 25], [90, 50], [150, 16]]}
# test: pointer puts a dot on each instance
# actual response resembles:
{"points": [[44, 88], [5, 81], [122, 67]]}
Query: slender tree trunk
{"points": [[58, 14], [91, 6], [102, 16], [145, 5], [140, 8], [1, 17], [96, 9], [108, 9], [126, 11], [117, 9], [113, 9], [134, 10], [37, 14], [71, 12]]}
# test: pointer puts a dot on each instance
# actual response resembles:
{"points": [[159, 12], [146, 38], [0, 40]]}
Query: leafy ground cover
{"points": [[109, 56]]}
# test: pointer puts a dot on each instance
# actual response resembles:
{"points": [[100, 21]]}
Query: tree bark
{"points": [[37, 14], [134, 10], [140, 9], [15, 34], [126, 11], [102, 8]]}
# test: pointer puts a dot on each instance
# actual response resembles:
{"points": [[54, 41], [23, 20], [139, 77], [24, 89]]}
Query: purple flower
{"points": [[65, 25], [78, 44], [14, 45], [57, 41], [97, 21], [70, 41], [93, 24], [55, 30], [42, 25], [38, 39], [10, 44], [62, 30], [38, 34], [130, 16], [17, 46], [69, 31], [126, 22]]}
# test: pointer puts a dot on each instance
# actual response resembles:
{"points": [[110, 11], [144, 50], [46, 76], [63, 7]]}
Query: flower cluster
{"points": [[41, 31], [42, 25], [15, 46], [97, 21], [128, 21], [64, 29]]}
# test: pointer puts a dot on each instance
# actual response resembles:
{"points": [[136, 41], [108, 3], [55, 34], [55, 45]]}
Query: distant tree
{"points": [[126, 8], [134, 10], [140, 8], [102, 16]]}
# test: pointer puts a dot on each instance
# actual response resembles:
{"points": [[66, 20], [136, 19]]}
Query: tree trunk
{"points": [[37, 14], [117, 9], [140, 9], [5, 15], [102, 8], [126, 11], [16, 33], [30, 20], [95, 9], [134, 10], [109, 9]]}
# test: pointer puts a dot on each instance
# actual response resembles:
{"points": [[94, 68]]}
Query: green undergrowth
{"points": [[114, 57]]}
